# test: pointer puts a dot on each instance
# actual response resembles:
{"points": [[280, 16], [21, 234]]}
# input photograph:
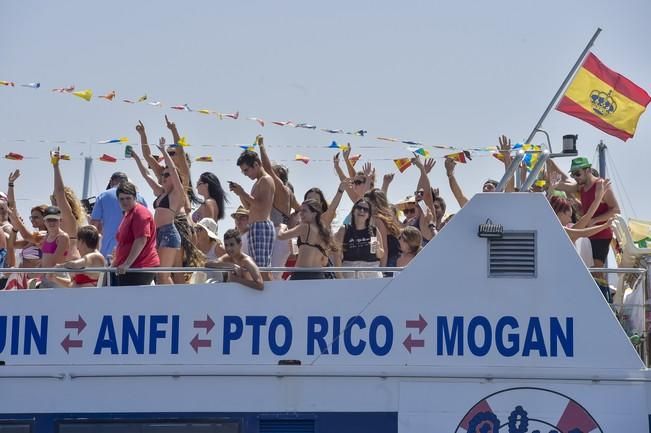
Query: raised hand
{"points": [[349, 148], [505, 148], [140, 128], [388, 178], [13, 176], [335, 159], [449, 166], [170, 125], [417, 162], [367, 169], [259, 140], [429, 164], [161, 144]]}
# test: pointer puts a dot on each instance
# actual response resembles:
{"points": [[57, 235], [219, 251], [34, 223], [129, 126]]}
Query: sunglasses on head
{"points": [[362, 208], [409, 210], [358, 182]]}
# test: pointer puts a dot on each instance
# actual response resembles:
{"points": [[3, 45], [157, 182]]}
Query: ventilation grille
{"points": [[513, 255], [287, 426]]}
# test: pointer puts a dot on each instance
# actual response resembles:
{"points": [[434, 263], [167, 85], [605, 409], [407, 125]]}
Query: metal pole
{"points": [[88, 161], [510, 170], [560, 89], [601, 147]]}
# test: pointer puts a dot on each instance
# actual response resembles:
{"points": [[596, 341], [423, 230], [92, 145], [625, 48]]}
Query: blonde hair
{"points": [[75, 205], [413, 238]]}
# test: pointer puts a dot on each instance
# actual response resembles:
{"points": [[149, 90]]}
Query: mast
{"points": [[88, 162], [601, 148]]}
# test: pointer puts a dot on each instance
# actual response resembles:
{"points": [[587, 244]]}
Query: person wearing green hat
{"points": [[584, 182]]}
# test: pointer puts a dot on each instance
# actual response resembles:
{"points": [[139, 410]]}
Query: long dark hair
{"points": [[317, 191], [370, 213], [215, 191], [324, 232]]}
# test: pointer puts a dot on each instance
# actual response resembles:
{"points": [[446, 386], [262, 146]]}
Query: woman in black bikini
{"points": [[314, 241]]}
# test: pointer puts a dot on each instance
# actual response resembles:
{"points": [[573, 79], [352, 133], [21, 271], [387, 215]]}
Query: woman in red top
{"points": [[136, 240]]}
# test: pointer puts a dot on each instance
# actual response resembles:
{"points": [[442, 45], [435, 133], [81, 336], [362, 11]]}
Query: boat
{"points": [[496, 326]]}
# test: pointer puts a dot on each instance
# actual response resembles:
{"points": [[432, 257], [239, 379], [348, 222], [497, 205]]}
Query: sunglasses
{"points": [[362, 208], [171, 152], [419, 192], [576, 174], [166, 175], [358, 182], [409, 210]]}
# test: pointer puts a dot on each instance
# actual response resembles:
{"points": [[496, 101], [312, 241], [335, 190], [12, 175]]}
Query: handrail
{"points": [[208, 269], [510, 170]]}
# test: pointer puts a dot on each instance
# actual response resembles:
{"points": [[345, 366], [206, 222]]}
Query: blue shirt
{"points": [[107, 210]]}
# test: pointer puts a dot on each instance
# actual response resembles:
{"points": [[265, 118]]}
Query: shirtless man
{"points": [[245, 270], [259, 202]]}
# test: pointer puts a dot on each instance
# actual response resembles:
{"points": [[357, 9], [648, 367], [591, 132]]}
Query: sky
{"points": [[446, 73]]}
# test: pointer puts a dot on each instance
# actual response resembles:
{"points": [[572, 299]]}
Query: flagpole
{"points": [[560, 89]]}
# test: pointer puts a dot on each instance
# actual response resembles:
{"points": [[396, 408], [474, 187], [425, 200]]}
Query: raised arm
{"points": [[146, 150], [153, 184], [566, 183], [386, 181], [329, 215], [11, 195], [179, 191], [338, 170], [423, 180], [575, 233], [505, 151], [285, 234], [182, 162], [454, 185], [68, 220], [349, 163], [266, 164], [17, 223]]}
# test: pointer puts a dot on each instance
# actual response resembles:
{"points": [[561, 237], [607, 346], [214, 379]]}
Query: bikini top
{"points": [[32, 252], [163, 201], [50, 247], [300, 242]]}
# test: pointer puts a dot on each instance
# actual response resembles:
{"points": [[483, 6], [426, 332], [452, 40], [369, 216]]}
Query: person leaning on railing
{"points": [[136, 236], [243, 268]]}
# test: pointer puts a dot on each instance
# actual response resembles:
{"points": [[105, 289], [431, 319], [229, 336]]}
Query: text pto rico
{"points": [[443, 336]]}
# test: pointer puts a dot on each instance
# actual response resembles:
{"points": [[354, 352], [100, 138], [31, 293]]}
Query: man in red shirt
{"points": [[136, 240], [585, 184]]}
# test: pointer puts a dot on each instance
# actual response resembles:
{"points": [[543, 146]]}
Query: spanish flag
{"points": [[605, 99], [402, 164]]}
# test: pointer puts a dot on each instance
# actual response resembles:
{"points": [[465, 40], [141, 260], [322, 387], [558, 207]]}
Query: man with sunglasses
{"points": [[583, 181]]}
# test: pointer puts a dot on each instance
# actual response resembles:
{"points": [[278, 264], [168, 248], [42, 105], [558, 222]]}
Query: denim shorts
{"points": [[168, 236]]}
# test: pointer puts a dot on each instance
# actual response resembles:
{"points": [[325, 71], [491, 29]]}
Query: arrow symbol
{"points": [[409, 343], [420, 324], [78, 324], [196, 343], [67, 343], [208, 324]]}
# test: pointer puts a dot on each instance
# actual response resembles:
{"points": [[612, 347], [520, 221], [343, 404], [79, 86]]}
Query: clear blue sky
{"points": [[454, 73]]}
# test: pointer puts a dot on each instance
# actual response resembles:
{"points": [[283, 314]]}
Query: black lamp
{"points": [[490, 230]]}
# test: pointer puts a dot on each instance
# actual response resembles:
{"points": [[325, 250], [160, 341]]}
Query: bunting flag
{"points": [[128, 150], [203, 159], [605, 99], [109, 96], [143, 98], [402, 164], [183, 107], [84, 94], [359, 132], [419, 151], [56, 157], [114, 140], [183, 142], [154, 103], [107, 158], [499, 156], [64, 89], [260, 121], [540, 183], [304, 159], [31, 85], [249, 147], [462, 157], [287, 123], [393, 140], [354, 158], [233, 116], [305, 126], [333, 131], [14, 156], [204, 111], [7, 83]]}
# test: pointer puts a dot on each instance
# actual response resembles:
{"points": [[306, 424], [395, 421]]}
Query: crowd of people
{"points": [[272, 228]]}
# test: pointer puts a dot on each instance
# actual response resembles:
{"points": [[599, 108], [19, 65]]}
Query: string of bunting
{"points": [[111, 96]]}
